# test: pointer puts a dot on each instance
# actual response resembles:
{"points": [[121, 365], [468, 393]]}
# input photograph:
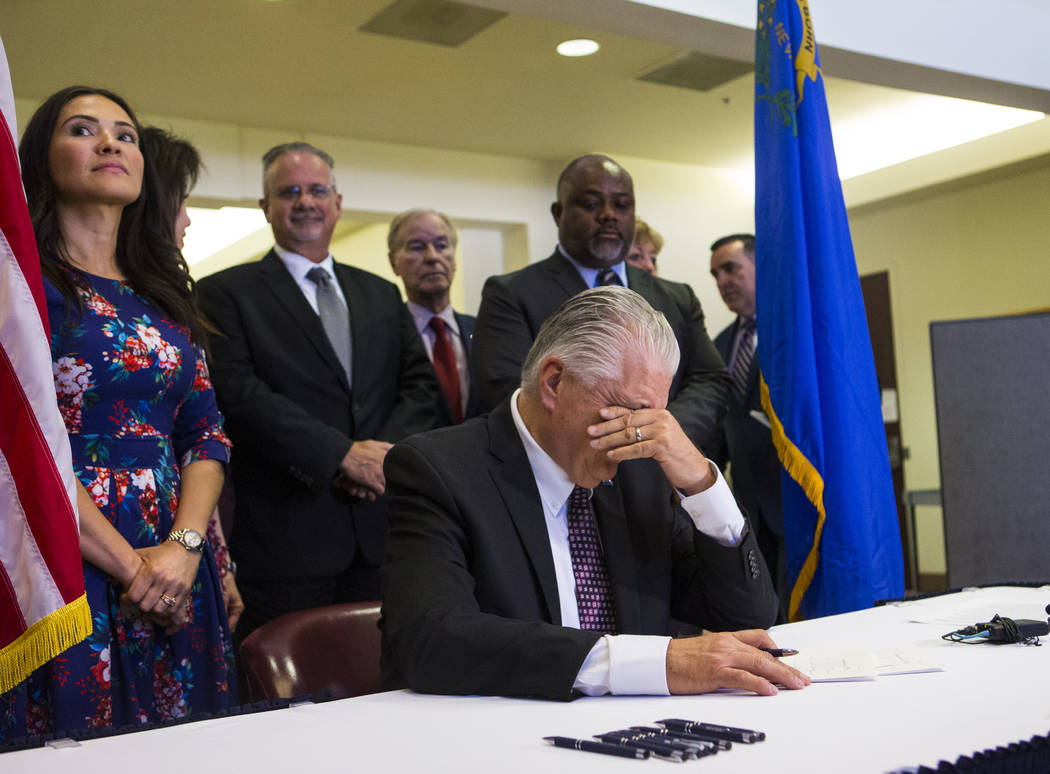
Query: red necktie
{"points": [[445, 365]]}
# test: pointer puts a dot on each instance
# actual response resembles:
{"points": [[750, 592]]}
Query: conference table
{"points": [[986, 696]]}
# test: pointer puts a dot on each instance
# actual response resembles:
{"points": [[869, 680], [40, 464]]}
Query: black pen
{"points": [[659, 749], [745, 735], [587, 745], [780, 652], [691, 748], [709, 744]]}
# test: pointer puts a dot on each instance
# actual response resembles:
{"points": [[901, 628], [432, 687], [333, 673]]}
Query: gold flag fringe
{"points": [[806, 476], [44, 640]]}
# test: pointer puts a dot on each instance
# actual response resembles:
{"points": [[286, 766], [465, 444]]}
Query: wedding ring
{"points": [[638, 434], [167, 600]]}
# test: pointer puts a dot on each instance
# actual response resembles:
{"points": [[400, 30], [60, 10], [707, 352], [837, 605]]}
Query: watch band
{"points": [[190, 539]]}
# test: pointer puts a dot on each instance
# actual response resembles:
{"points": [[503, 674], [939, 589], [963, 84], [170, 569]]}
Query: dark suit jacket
{"points": [[292, 416], [466, 334], [515, 305], [470, 599], [748, 445]]}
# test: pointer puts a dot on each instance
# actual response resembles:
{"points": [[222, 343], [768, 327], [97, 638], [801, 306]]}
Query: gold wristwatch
{"points": [[190, 539]]}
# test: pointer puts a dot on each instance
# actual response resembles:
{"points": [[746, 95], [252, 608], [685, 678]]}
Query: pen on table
{"points": [[659, 749], [745, 735], [587, 745], [714, 743], [780, 652], [693, 748]]}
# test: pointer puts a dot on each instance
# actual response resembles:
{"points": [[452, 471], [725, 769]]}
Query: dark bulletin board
{"points": [[992, 387]]}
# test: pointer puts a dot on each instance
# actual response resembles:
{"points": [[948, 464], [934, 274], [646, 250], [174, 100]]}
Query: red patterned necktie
{"points": [[445, 365], [594, 597]]}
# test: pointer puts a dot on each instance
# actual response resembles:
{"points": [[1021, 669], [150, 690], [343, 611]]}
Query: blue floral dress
{"points": [[139, 406]]}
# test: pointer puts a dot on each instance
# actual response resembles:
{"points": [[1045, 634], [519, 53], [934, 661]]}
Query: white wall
{"points": [[974, 249]]}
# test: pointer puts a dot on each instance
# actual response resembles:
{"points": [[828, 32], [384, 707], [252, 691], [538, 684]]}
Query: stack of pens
{"points": [[672, 739]]}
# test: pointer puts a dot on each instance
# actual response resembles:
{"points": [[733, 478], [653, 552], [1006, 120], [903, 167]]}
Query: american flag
{"points": [[43, 609]]}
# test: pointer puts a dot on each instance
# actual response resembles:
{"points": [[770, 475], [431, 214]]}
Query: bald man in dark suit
{"points": [[594, 213]]}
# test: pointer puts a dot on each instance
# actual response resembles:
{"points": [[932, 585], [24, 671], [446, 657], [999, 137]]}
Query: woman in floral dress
{"points": [[147, 439]]}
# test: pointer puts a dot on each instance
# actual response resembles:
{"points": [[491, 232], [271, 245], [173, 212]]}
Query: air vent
{"points": [[432, 21], [696, 71]]}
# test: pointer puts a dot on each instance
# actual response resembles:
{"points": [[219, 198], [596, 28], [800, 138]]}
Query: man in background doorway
{"points": [[746, 441]]}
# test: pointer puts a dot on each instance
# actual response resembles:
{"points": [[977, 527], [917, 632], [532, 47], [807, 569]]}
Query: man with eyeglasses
{"points": [[318, 370]]}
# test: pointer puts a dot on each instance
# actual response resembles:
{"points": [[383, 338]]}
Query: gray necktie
{"points": [[334, 317], [607, 277]]}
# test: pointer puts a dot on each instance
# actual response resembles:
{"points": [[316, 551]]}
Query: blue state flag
{"points": [[842, 541]]}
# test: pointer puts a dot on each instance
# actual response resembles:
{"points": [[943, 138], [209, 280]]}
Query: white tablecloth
{"points": [[987, 696]]}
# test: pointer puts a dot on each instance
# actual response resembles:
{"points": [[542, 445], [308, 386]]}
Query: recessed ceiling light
{"points": [[577, 47]]}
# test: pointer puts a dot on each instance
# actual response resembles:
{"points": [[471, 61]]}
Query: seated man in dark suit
{"points": [[318, 369], [527, 545], [422, 245], [595, 217]]}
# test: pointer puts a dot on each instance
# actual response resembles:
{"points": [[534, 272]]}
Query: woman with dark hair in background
{"points": [[148, 447], [176, 166]]}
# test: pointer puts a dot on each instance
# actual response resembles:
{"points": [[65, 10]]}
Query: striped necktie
{"points": [[745, 353]]}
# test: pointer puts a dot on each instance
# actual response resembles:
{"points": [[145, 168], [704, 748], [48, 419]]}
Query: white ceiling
{"points": [[302, 65]]}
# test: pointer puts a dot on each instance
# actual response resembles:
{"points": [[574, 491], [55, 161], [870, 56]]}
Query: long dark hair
{"points": [[176, 165], [146, 254]]}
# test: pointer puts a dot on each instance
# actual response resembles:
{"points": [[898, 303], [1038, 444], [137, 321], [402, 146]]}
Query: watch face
{"points": [[192, 538]]}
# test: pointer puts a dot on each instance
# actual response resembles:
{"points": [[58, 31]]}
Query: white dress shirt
{"points": [[590, 275], [299, 265], [421, 315], [623, 663]]}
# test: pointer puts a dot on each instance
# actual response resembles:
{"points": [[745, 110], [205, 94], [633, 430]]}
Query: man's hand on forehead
{"points": [[630, 434]]}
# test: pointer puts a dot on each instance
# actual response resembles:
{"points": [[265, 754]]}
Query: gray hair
{"points": [[294, 147], [595, 331], [407, 215]]}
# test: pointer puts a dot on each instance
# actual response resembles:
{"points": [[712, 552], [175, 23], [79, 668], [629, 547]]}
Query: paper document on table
{"points": [[904, 661], [833, 663], [975, 605]]}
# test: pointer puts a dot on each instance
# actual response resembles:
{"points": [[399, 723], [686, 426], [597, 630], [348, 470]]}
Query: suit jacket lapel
{"points": [[724, 343], [291, 297], [640, 282], [619, 558], [360, 305], [514, 480], [564, 274], [466, 332], [466, 335]]}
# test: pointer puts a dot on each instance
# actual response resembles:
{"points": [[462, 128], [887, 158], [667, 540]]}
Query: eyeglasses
{"points": [[293, 192]]}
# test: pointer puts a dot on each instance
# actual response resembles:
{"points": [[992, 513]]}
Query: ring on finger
{"points": [[638, 434], [168, 600]]}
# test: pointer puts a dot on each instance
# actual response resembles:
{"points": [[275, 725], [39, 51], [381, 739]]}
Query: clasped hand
{"points": [[629, 434], [160, 589], [361, 471]]}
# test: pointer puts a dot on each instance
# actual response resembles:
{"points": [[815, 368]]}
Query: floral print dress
{"points": [[138, 404]]}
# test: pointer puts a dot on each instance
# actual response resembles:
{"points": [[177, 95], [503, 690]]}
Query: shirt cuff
{"points": [[625, 664], [715, 512]]}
